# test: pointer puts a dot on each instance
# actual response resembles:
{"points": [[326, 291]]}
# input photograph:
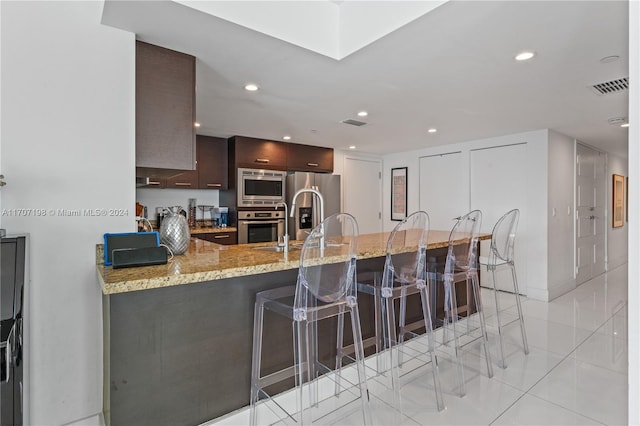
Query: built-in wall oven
{"points": [[261, 188], [260, 226]]}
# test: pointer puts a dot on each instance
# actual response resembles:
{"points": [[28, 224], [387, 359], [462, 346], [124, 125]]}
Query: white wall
{"points": [[536, 172], [633, 332], [67, 137], [561, 214], [617, 238]]}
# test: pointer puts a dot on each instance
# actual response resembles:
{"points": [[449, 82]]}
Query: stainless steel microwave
{"points": [[261, 188]]}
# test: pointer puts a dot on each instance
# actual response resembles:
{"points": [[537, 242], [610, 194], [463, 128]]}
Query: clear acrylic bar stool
{"points": [[501, 256], [461, 264], [404, 274], [325, 288]]}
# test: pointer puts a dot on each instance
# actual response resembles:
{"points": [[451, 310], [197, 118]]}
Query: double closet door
{"points": [[489, 179]]}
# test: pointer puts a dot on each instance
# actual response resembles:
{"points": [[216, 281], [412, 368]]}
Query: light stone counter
{"points": [[206, 261]]}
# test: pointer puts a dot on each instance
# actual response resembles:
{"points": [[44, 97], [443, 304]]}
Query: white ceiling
{"points": [[451, 68]]}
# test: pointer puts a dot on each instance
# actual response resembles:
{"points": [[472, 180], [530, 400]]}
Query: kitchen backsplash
{"points": [[152, 198]]}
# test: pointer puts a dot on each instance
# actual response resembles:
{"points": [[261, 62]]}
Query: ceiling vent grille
{"points": [[354, 122], [613, 86]]}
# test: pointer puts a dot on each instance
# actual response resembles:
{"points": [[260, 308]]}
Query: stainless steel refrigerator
{"points": [[12, 279], [307, 213]]}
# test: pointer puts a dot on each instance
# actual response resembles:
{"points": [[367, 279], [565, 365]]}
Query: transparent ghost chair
{"points": [[501, 256], [461, 265], [325, 288], [405, 274]]}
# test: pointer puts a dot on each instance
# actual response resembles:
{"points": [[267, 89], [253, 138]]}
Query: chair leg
{"points": [[503, 363], [392, 352], [339, 349], [483, 326], [379, 315], [258, 320], [362, 377], [426, 312], [402, 321], [519, 305], [302, 365], [454, 320]]}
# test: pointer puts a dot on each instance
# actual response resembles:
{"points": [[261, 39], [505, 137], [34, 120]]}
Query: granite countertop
{"points": [[206, 261]]}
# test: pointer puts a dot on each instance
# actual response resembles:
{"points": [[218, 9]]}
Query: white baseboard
{"points": [[541, 294], [95, 420], [615, 262], [559, 289]]}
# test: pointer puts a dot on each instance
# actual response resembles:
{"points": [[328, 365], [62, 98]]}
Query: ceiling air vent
{"points": [[354, 122], [613, 86]]}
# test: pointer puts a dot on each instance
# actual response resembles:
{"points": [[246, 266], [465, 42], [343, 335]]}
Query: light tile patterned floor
{"points": [[575, 373]]}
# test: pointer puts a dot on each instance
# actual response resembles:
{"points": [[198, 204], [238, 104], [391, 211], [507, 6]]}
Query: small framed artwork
{"points": [[399, 193], [618, 201]]}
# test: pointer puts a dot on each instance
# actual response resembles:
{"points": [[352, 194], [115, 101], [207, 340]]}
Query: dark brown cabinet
{"points": [[257, 153], [307, 158], [212, 162], [184, 180], [165, 110], [211, 168], [226, 238]]}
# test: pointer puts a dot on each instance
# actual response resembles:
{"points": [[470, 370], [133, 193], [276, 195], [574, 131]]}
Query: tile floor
{"points": [[575, 373]]}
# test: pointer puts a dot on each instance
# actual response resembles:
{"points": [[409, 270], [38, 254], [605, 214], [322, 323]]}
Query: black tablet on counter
{"points": [[128, 241]]}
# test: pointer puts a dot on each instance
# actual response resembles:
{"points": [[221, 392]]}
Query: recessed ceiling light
{"points": [[251, 87], [286, 138], [196, 124], [524, 56], [363, 114], [352, 147], [432, 130], [624, 125]]}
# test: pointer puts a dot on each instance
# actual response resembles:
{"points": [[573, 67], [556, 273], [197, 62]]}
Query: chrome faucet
{"points": [[285, 237], [317, 193]]}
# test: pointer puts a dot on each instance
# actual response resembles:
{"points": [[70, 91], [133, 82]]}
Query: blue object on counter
{"points": [[128, 240], [224, 216]]}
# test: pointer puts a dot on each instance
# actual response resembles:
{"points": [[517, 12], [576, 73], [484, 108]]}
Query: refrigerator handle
{"points": [[8, 354]]}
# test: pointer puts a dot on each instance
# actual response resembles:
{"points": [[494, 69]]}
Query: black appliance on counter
{"points": [[12, 278]]}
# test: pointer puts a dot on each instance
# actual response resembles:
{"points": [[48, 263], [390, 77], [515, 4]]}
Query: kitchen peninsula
{"points": [[178, 337]]}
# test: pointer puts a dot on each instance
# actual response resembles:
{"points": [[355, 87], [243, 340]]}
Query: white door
{"points": [[444, 188], [362, 193], [590, 213], [498, 184]]}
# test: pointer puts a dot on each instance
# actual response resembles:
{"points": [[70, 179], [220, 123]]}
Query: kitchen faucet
{"points": [[317, 193], [285, 237]]}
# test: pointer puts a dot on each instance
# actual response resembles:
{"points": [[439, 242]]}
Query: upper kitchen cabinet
{"points": [[212, 162], [185, 180], [308, 158], [257, 153], [165, 110]]}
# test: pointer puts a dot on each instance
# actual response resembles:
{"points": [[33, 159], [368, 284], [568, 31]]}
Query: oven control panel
{"points": [[258, 215]]}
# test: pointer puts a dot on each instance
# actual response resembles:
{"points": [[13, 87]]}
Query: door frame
{"points": [[575, 208], [342, 183]]}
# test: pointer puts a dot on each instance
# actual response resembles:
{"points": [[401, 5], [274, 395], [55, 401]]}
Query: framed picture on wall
{"points": [[618, 201], [399, 193]]}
